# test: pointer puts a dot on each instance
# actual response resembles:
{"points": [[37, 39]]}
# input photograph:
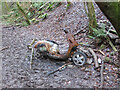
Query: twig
{"points": [[59, 68], [32, 51], [101, 72], [111, 44], [4, 48], [30, 45], [100, 51], [94, 56], [44, 5], [80, 31], [31, 57], [86, 45]]}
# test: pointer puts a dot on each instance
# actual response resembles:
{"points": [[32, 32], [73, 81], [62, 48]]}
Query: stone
{"points": [[87, 70], [83, 68], [99, 60], [89, 61], [70, 66]]}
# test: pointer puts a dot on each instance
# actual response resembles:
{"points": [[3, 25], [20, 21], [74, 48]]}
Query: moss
{"points": [[92, 17]]}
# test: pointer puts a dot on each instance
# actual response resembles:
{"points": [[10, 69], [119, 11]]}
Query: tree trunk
{"points": [[92, 17], [112, 12]]}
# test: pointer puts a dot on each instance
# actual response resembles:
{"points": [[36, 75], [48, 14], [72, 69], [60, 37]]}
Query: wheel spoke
{"points": [[80, 61], [78, 56], [81, 57]]}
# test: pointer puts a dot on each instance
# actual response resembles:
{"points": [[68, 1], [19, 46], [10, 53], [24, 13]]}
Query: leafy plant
{"points": [[49, 7], [25, 13], [57, 4], [36, 5], [99, 33], [68, 4], [40, 12]]}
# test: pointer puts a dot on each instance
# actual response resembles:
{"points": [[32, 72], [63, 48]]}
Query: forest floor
{"points": [[16, 72]]}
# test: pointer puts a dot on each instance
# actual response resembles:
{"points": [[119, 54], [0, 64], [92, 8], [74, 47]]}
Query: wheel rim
{"points": [[79, 59]]}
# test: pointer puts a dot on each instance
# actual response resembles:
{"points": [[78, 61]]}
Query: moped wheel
{"points": [[79, 58]]}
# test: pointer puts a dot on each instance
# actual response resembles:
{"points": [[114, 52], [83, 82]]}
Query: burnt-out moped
{"points": [[50, 49]]}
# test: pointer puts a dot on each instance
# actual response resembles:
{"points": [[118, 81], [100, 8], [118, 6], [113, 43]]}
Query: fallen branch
{"points": [[60, 68], [111, 44], [94, 56], [101, 74], [4, 48]]}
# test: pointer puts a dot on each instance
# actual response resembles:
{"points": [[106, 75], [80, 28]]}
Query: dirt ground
{"points": [[16, 72]]}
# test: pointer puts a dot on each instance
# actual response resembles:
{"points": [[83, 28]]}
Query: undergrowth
{"points": [[26, 13]]}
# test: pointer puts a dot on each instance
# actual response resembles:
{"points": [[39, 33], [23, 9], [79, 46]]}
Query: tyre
{"points": [[79, 58]]}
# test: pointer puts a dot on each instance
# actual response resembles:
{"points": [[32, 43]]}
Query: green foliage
{"points": [[107, 59], [57, 4], [25, 13], [102, 46], [112, 11], [15, 15], [44, 16], [33, 20], [37, 4], [99, 33], [50, 6], [40, 12], [68, 4]]}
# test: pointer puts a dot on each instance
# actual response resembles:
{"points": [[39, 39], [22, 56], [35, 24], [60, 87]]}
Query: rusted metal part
{"points": [[50, 46], [72, 44], [55, 53]]}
